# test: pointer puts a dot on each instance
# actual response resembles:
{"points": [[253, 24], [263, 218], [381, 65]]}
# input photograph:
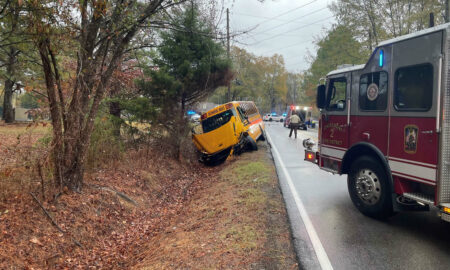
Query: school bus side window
{"points": [[414, 88], [336, 94], [242, 115]]}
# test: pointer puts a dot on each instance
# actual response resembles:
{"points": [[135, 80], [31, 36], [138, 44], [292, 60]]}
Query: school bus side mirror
{"points": [[321, 98]]}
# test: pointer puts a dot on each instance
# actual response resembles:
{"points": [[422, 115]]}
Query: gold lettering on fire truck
{"points": [[410, 139], [333, 127], [333, 142], [336, 126]]}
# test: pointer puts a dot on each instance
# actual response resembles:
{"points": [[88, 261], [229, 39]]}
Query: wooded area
{"points": [[71, 55], [107, 84], [72, 61]]}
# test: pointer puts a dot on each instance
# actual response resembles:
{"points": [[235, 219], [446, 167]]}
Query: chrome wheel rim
{"points": [[368, 186]]}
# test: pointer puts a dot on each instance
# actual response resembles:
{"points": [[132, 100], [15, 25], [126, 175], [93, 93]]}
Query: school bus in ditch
{"points": [[227, 129]]}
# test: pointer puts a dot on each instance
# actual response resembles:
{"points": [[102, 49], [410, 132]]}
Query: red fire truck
{"points": [[386, 124]]}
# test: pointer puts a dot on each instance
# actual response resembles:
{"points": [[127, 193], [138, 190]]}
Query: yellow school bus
{"points": [[228, 129]]}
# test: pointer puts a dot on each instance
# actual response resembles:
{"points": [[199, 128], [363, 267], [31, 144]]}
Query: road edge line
{"points": [[321, 254]]}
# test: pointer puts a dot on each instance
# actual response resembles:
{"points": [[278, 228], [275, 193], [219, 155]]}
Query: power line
{"points": [[296, 19], [287, 12], [289, 46], [298, 28]]}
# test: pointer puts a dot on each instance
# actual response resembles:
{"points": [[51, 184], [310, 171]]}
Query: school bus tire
{"points": [[262, 137], [250, 144], [369, 188]]}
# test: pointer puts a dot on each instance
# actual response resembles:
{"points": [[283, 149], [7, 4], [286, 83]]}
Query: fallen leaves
{"points": [[110, 229], [34, 240]]}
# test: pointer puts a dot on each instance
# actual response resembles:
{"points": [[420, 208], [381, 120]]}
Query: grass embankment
{"points": [[173, 216], [237, 222]]}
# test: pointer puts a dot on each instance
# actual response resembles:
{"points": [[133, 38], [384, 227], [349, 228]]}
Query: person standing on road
{"points": [[294, 122]]}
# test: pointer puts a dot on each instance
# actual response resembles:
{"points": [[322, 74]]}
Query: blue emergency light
{"points": [[191, 112], [381, 58]]}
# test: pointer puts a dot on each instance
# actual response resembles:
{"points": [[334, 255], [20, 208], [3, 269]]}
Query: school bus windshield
{"points": [[216, 121]]}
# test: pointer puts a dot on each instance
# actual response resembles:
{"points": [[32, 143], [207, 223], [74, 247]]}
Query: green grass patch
{"points": [[244, 237], [244, 173], [252, 197]]}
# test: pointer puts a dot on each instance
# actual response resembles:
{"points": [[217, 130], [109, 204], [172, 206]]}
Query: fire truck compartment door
{"points": [[413, 140]]}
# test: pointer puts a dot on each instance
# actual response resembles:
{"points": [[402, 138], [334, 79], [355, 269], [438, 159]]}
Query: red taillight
{"points": [[203, 116], [310, 156]]}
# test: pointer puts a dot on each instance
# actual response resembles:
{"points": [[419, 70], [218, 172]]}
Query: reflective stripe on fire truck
{"points": [[422, 172], [332, 152]]}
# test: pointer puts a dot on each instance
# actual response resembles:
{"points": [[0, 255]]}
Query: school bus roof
{"points": [[218, 109], [222, 108]]}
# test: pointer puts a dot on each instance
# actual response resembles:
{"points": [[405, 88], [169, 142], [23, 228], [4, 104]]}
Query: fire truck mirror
{"points": [[321, 98]]}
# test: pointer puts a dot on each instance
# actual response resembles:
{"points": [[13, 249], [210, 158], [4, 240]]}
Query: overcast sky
{"points": [[286, 27]]}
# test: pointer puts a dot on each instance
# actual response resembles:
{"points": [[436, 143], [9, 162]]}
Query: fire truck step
{"points": [[423, 198]]}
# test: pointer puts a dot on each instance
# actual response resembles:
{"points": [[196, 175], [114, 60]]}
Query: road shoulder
{"points": [[238, 222]]}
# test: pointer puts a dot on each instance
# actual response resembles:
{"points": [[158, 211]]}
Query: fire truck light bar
{"points": [[381, 58]]}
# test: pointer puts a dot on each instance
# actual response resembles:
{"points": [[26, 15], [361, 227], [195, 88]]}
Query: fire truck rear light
{"points": [[310, 156]]}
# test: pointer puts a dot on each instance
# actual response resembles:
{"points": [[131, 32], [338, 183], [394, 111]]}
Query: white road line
{"points": [[317, 245]]}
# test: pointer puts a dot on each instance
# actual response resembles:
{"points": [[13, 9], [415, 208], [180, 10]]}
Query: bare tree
{"points": [[99, 33]]}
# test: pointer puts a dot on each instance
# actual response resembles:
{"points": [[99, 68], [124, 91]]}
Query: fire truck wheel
{"points": [[369, 188]]}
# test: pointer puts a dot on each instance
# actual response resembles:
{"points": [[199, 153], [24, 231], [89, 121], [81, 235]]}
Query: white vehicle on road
{"points": [[273, 117]]}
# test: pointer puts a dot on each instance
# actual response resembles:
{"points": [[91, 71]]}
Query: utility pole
{"points": [[447, 11], [431, 24], [228, 50]]}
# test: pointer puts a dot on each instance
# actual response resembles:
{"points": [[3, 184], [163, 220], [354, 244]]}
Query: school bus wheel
{"points": [[369, 188], [250, 144]]}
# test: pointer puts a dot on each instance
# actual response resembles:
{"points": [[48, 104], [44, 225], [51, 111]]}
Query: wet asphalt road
{"points": [[409, 240]]}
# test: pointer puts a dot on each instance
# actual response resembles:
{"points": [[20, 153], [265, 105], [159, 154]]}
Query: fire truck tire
{"points": [[369, 188]]}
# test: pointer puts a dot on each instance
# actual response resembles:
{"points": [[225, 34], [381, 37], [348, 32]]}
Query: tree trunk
{"points": [[115, 110], [181, 127], [447, 11], [55, 113], [8, 110]]}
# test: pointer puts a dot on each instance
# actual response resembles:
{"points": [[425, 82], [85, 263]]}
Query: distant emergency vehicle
{"points": [[304, 112], [273, 117], [228, 129], [386, 124]]}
